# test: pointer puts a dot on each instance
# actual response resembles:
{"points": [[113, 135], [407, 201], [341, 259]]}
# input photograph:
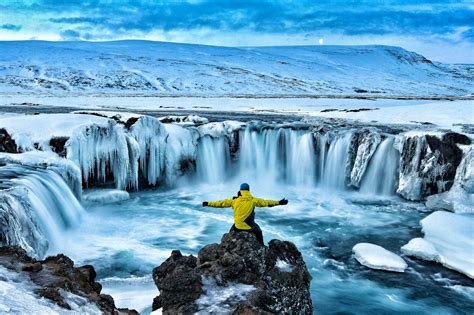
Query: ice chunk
{"points": [[376, 257], [106, 195], [419, 247], [284, 266], [448, 240]]}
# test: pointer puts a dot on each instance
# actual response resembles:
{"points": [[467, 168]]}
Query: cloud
{"points": [[11, 27], [70, 35]]}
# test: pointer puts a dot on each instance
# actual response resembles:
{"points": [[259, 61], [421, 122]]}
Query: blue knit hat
{"points": [[244, 186]]}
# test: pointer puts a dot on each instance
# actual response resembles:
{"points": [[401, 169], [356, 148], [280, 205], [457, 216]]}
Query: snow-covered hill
{"points": [[156, 68]]}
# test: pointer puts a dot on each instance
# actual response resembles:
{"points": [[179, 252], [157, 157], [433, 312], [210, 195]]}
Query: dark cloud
{"points": [[11, 27], [406, 18], [70, 35]]}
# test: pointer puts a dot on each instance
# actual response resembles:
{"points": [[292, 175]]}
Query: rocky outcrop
{"points": [[256, 279], [56, 275], [428, 164], [7, 143]]}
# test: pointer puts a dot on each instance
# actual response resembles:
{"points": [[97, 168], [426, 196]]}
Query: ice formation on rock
{"points": [[106, 195]]}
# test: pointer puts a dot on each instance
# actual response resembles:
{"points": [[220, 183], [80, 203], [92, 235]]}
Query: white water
{"points": [[381, 177], [45, 207]]}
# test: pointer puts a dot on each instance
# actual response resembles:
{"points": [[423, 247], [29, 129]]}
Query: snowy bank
{"points": [[376, 257], [448, 240]]}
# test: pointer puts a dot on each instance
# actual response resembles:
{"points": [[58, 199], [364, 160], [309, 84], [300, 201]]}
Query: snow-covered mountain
{"points": [[157, 68]]}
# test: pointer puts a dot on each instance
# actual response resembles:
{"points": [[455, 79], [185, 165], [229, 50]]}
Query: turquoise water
{"points": [[125, 240]]}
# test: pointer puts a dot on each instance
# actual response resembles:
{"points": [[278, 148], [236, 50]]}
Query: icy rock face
{"points": [[376, 257], [101, 151], [427, 166], [58, 281], [151, 136], [239, 260], [362, 148], [448, 240]]}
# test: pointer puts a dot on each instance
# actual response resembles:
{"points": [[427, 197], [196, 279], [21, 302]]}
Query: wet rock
{"points": [[238, 260], [454, 137], [56, 274], [58, 145], [7, 143]]}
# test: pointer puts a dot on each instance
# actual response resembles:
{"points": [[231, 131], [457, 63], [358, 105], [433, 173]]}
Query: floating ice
{"points": [[106, 195], [449, 240], [376, 257]]}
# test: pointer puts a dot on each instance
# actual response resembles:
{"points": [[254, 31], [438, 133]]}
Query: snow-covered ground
{"points": [[445, 114], [143, 67]]}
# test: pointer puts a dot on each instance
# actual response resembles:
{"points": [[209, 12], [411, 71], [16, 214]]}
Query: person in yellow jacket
{"points": [[244, 210]]}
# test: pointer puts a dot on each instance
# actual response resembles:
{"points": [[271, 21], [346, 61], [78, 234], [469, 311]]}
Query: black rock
{"points": [[57, 273], [7, 143], [239, 258]]}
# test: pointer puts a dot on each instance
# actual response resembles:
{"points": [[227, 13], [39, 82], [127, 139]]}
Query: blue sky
{"points": [[440, 30]]}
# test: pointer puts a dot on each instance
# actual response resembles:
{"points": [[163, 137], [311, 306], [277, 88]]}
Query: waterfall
{"points": [[334, 171], [37, 206], [213, 159], [281, 154], [381, 177]]}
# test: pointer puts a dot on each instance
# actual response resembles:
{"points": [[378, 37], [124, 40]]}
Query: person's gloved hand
{"points": [[283, 202], [205, 203]]}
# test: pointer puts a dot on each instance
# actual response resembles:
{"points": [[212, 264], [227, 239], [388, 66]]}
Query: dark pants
{"points": [[255, 230]]}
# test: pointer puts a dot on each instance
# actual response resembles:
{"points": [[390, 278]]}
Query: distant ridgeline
{"points": [[168, 69], [128, 151]]}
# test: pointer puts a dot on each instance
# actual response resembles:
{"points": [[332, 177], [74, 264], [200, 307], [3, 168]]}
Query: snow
{"points": [[284, 266], [189, 120], [376, 257], [219, 129], [116, 115], [448, 240], [30, 129], [104, 196], [171, 69], [221, 299], [17, 297]]}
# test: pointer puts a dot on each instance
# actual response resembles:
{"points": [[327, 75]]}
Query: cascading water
{"points": [[335, 163], [42, 204], [381, 177], [213, 159]]}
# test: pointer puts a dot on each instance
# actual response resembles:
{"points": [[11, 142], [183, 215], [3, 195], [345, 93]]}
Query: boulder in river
{"points": [[237, 276]]}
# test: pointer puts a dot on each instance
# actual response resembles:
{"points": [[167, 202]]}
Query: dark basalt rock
{"points": [[239, 258], [58, 144], [58, 273], [7, 143], [433, 160]]}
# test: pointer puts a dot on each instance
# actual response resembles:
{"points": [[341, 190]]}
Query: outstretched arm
{"points": [[269, 203], [226, 203]]}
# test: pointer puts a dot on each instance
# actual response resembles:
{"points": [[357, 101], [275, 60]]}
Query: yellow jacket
{"points": [[243, 206]]}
